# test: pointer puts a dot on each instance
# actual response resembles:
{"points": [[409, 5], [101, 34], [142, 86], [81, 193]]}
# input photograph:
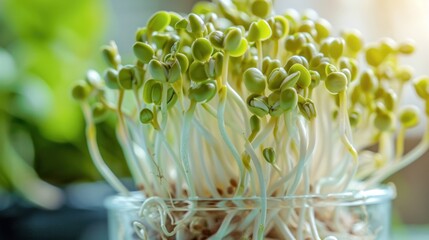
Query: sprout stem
{"points": [[304, 153], [283, 228], [242, 106], [136, 97], [265, 132], [276, 51], [231, 125], [184, 148], [400, 144], [345, 126], [262, 185], [220, 234], [260, 53], [126, 144], [161, 131], [91, 136], [410, 157], [221, 123], [227, 140]]}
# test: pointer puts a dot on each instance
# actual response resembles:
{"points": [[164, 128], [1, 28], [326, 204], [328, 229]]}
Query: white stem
{"points": [[345, 133], [242, 106], [91, 136], [410, 157], [265, 132], [184, 149], [224, 134], [262, 186], [311, 215], [283, 228], [220, 234], [127, 144]]}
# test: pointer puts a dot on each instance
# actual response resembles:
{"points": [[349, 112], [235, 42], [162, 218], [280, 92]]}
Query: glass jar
{"points": [[350, 215]]}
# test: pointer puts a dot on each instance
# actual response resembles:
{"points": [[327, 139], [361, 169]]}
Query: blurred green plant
{"points": [[44, 46], [16, 146], [53, 40]]}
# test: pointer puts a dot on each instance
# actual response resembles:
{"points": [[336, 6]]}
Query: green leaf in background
{"points": [[45, 46], [53, 41]]}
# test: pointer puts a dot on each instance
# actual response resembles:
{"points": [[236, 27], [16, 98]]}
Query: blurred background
{"points": [[47, 180]]}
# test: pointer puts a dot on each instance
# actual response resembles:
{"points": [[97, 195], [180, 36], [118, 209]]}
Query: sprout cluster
{"points": [[233, 100]]}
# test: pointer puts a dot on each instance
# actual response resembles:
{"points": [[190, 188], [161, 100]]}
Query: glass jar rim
{"points": [[383, 193]]}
